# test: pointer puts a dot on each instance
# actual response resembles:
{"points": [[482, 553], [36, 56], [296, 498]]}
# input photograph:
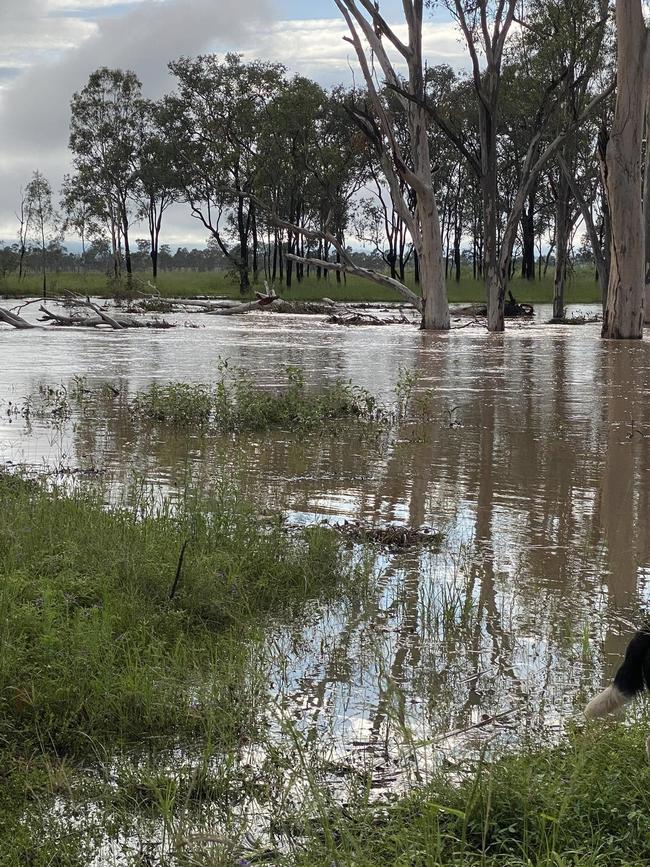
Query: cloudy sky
{"points": [[49, 47]]}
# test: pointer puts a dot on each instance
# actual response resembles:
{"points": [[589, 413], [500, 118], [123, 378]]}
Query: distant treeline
{"points": [[98, 258], [285, 177]]}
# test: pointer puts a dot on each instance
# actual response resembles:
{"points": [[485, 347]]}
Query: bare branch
{"points": [[453, 136], [366, 273]]}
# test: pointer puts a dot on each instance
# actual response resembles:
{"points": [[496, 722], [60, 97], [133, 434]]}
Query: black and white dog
{"points": [[632, 678]]}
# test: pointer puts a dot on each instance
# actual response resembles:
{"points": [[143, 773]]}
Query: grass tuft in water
{"points": [[585, 802], [237, 403], [93, 650]]}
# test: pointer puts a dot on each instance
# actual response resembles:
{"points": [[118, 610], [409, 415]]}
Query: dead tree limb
{"points": [[14, 320], [367, 273], [108, 320], [82, 321], [347, 263], [262, 300]]}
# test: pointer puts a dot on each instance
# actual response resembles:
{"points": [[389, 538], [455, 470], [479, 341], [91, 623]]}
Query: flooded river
{"points": [[534, 462]]}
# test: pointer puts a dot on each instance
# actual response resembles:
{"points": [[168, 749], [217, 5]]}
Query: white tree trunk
{"points": [[435, 308], [624, 312], [428, 241], [646, 208], [364, 18]]}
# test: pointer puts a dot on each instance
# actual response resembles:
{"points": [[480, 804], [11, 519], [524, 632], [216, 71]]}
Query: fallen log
{"points": [[262, 300], [122, 320], [14, 320]]}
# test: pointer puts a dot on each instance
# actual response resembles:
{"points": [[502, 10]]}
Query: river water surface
{"points": [[534, 462]]}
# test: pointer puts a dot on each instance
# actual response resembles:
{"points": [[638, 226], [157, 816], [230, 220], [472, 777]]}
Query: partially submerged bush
{"points": [[238, 403]]}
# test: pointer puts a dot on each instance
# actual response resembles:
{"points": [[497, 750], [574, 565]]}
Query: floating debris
{"points": [[391, 536]]}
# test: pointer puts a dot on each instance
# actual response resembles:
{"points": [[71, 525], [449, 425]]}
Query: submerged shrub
{"points": [[240, 404]]}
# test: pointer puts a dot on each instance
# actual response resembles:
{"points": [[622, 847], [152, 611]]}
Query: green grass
{"points": [[585, 802], [92, 644], [237, 404], [582, 288], [102, 675], [98, 654]]}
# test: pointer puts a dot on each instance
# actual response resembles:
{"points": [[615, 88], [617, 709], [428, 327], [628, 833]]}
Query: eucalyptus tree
{"points": [[337, 170], [378, 221], [486, 26], [213, 120], [23, 216], [78, 213], [157, 187], [624, 311], [106, 131], [373, 39], [286, 157], [42, 218]]}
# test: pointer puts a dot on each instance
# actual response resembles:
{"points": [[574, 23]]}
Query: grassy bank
{"points": [[110, 640], [582, 288], [130, 688]]}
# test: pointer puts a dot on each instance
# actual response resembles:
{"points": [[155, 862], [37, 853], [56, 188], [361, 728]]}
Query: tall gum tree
{"points": [[366, 24], [105, 134], [624, 311], [486, 25]]}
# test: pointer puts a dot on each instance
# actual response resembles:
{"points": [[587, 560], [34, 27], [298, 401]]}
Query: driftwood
{"points": [[14, 320], [168, 305], [262, 300], [575, 320], [394, 537], [121, 320], [357, 317], [105, 318], [512, 309], [307, 308]]}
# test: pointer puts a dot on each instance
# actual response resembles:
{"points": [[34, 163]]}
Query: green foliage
{"points": [[237, 403], [93, 650], [585, 802]]}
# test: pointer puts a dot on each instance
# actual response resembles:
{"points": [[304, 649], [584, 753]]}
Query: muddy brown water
{"points": [[535, 463]]}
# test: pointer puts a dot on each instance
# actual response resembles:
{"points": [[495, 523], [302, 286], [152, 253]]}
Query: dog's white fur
{"points": [[608, 701]]}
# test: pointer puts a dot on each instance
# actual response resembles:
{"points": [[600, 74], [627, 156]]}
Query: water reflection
{"points": [[533, 458]]}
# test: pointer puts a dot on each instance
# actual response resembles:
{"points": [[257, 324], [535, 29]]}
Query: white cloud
{"points": [[60, 53], [50, 47], [30, 35], [317, 47]]}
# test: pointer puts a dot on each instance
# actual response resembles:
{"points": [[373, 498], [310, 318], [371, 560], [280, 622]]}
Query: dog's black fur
{"points": [[632, 677], [634, 674]]}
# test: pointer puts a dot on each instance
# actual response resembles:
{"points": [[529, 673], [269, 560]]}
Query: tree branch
{"points": [[366, 273]]}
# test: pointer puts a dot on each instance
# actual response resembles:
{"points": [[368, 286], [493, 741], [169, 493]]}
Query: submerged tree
{"points": [[624, 312], [407, 174]]}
